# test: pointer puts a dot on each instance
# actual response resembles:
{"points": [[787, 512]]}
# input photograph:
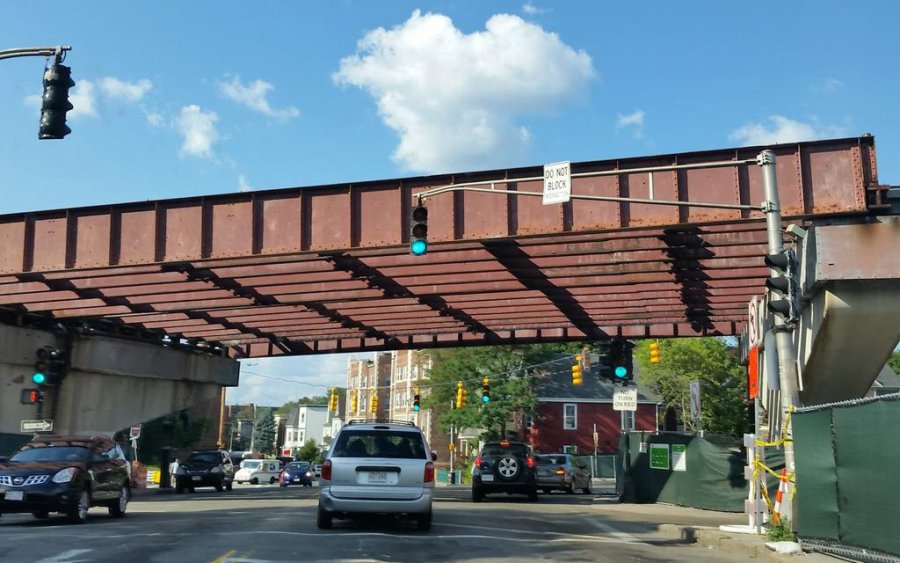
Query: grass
{"points": [[780, 531]]}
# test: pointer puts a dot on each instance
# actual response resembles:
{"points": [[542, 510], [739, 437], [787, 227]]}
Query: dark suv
{"points": [[504, 467], [205, 468], [67, 474]]}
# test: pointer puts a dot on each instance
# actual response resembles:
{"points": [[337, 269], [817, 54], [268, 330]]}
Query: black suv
{"points": [[504, 467], [205, 468], [67, 474]]}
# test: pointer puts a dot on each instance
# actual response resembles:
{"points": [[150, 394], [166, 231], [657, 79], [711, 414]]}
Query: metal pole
{"points": [[34, 52], [787, 365]]}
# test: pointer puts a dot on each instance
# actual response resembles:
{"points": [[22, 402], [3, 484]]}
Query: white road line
{"points": [[418, 537], [621, 537], [66, 557], [606, 528]]}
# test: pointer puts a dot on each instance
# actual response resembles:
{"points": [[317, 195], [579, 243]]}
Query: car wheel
{"points": [[228, 486], [477, 494], [570, 490], [117, 507], [546, 491], [423, 521], [271, 480], [41, 514], [508, 468], [254, 481], [283, 485], [77, 512], [219, 487], [586, 490], [179, 488], [323, 518], [191, 490], [532, 495]]}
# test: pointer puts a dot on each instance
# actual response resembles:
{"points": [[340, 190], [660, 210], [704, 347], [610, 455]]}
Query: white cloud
{"points": [[784, 130], [532, 10], [254, 96], [274, 381], [453, 98], [199, 131], [832, 85], [633, 121], [243, 186], [114, 88], [155, 119]]}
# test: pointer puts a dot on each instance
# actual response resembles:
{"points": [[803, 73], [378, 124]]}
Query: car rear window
{"points": [[551, 460], [395, 444], [299, 466], [52, 453], [205, 458], [498, 450]]}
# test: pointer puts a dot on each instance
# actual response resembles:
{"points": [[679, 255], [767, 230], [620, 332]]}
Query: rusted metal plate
{"points": [[324, 269]]}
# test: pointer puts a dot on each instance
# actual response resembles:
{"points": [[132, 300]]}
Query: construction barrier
{"points": [[138, 476]]}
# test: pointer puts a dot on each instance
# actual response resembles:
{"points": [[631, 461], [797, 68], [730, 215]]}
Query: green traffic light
{"points": [[485, 399], [416, 408], [621, 372], [38, 378]]}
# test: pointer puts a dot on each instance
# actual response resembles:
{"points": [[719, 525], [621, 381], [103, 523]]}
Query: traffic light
{"points": [[416, 406], [485, 390], [461, 395], [418, 230], [577, 377], [373, 406], [333, 400], [621, 360], [55, 102], [654, 352], [604, 360], [30, 397], [354, 402], [785, 280], [49, 366]]}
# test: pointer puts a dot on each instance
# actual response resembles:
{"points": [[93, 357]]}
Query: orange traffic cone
{"points": [[782, 488]]}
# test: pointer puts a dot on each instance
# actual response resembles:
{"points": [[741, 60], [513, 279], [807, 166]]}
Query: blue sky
{"points": [[180, 99]]}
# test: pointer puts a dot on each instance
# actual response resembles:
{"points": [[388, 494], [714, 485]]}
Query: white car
{"points": [[258, 471], [377, 468]]}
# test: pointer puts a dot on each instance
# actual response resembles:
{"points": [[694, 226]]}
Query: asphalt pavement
{"points": [[264, 523]]}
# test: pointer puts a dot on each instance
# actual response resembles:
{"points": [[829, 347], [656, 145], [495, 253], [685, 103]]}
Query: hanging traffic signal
{"points": [[622, 360], [577, 377], [373, 407], [604, 359], [785, 281], [55, 102], [460, 395], [354, 402], [418, 230], [416, 406], [654, 352], [333, 399], [30, 397], [485, 390]]}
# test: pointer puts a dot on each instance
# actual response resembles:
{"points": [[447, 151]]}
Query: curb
{"points": [[749, 545]]}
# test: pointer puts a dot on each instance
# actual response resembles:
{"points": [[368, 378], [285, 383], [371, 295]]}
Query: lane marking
{"points": [[621, 537], [224, 556], [606, 528], [340, 534], [66, 557]]}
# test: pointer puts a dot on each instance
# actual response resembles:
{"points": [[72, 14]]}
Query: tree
{"points": [[512, 374], [894, 362], [723, 382], [309, 452], [264, 432]]}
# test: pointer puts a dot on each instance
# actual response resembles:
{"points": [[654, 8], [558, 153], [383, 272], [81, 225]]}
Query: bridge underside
{"points": [[327, 269]]}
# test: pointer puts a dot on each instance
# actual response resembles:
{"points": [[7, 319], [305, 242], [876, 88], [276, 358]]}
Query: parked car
{"points": [[296, 473], [205, 468], [562, 472], [258, 471], [504, 467], [67, 474], [375, 467]]}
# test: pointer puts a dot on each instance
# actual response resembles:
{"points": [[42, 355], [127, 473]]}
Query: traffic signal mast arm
{"points": [[35, 52]]}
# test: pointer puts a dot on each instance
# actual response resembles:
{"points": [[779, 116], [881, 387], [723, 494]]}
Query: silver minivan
{"points": [[377, 467]]}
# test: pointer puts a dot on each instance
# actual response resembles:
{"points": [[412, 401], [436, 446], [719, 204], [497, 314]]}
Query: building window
{"points": [[570, 416], [570, 449]]}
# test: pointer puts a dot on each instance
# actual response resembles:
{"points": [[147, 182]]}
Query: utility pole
{"points": [[787, 365]]}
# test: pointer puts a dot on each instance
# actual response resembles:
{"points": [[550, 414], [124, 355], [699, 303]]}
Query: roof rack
{"points": [[379, 421]]}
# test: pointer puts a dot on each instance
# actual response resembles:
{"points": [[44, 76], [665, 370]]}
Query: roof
{"points": [[557, 383]]}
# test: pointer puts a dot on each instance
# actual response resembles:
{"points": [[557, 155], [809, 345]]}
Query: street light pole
{"points": [[35, 52]]}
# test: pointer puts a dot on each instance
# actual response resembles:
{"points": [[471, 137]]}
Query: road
{"points": [[263, 523]]}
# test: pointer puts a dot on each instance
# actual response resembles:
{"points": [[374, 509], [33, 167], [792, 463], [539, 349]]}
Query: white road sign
{"points": [[37, 426], [557, 183], [135, 432], [625, 400]]}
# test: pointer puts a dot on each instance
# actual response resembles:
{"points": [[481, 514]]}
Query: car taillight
{"points": [[529, 461], [560, 471], [326, 470], [478, 461], [429, 472]]}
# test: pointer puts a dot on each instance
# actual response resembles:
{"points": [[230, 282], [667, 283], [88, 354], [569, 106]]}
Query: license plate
{"points": [[15, 495], [196, 478], [487, 478], [378, 477]]}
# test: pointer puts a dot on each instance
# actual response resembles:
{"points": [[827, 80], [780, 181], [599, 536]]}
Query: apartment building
{"points": [[365, 380], [305, 422]]}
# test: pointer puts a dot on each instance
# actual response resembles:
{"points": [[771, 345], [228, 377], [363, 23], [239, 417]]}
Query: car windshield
{"points": [[297, 466], [551, 460], [250, 464], [52, 453], [204, 457], [380, 443], [498, 450]]}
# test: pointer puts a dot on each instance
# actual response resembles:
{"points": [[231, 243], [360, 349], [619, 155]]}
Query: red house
{"points": [[567, 416]]}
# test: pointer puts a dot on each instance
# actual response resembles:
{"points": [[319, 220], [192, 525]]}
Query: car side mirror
{"points": [[433, 456]]}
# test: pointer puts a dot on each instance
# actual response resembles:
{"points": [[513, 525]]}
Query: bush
{"points": [[780, 531]]}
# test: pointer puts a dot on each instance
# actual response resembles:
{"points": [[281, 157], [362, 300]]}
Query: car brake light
{"points": [[560, 471], [504, 444], [326, 470], [429, 472], [478, 461], [529, 461]]}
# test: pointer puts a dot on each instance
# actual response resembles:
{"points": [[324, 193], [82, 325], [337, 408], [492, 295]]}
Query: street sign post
{"points": [[557, 183], [37, 426], [625, 400], [695, 401]]}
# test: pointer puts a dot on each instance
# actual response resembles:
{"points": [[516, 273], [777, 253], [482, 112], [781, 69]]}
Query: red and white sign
{"points": [[753, 372], [286, 452], [754, 326], [135, 432]]}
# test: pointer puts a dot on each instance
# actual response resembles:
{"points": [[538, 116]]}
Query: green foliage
{"points": [[723, 381], [511, 375], [308, 400], [309, 452], [173, 430], [894, 362], [264, 433], [780, 531]]}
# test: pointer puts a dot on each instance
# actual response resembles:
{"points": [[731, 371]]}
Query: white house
{"points": [[305, 422]]}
